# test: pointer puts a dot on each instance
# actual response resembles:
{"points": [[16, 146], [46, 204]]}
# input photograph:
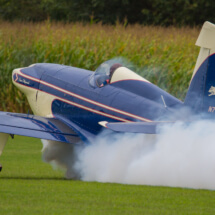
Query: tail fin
{"points": [[201, 92]]}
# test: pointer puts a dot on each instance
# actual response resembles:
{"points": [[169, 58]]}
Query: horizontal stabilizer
{"points": [[135, 127], [36, 126]]}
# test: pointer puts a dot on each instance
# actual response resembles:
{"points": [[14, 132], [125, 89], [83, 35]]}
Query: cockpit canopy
{"points": [[104, 73], [110, 71]]}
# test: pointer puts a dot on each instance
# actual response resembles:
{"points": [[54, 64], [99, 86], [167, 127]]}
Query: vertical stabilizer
{"points": [[201, 92]]}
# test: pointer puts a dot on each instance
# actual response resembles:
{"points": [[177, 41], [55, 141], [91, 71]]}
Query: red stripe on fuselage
{"points": [[87, 100]]}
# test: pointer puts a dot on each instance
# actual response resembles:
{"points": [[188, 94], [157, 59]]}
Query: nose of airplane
{"points": [[18, 80], [26, 77], [15, 76]]}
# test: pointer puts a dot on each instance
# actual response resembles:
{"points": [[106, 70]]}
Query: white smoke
{"points": [[180, 156], [61, 156]]}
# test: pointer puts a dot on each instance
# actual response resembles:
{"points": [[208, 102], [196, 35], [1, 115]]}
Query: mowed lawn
{"points": [[29, 186]]}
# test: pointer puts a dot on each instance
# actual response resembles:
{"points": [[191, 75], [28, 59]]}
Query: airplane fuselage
{"points": [[65, 92]]}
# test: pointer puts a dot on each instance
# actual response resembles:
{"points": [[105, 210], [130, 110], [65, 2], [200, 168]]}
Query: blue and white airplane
{"points": [[72, 105]]}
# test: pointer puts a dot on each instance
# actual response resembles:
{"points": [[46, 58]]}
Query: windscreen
{"points": [[102, 73]]}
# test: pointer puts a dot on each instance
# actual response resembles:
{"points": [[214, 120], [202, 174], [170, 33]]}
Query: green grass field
{"points": [[29, 186]]}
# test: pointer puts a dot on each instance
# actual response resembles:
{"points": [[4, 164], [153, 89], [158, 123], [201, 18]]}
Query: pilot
{"points": [[112, 70]]}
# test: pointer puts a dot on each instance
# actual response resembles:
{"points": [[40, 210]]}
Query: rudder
{"points": [[201, 93]]}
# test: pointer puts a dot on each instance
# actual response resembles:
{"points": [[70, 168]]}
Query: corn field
{"points": [[164, 56]]}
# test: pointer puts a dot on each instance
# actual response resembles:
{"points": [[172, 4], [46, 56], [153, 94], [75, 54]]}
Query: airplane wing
{"points": [[36, 126], [135, 127]]}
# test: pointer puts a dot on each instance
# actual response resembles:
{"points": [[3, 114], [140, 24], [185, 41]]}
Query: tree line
{"points": [[147, 12]]}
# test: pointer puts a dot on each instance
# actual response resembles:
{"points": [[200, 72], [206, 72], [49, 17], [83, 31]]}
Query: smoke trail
{"points": [[181, 156], [61, 156]]}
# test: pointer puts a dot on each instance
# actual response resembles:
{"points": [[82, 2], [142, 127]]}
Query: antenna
{"points": [[164, 103]]}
